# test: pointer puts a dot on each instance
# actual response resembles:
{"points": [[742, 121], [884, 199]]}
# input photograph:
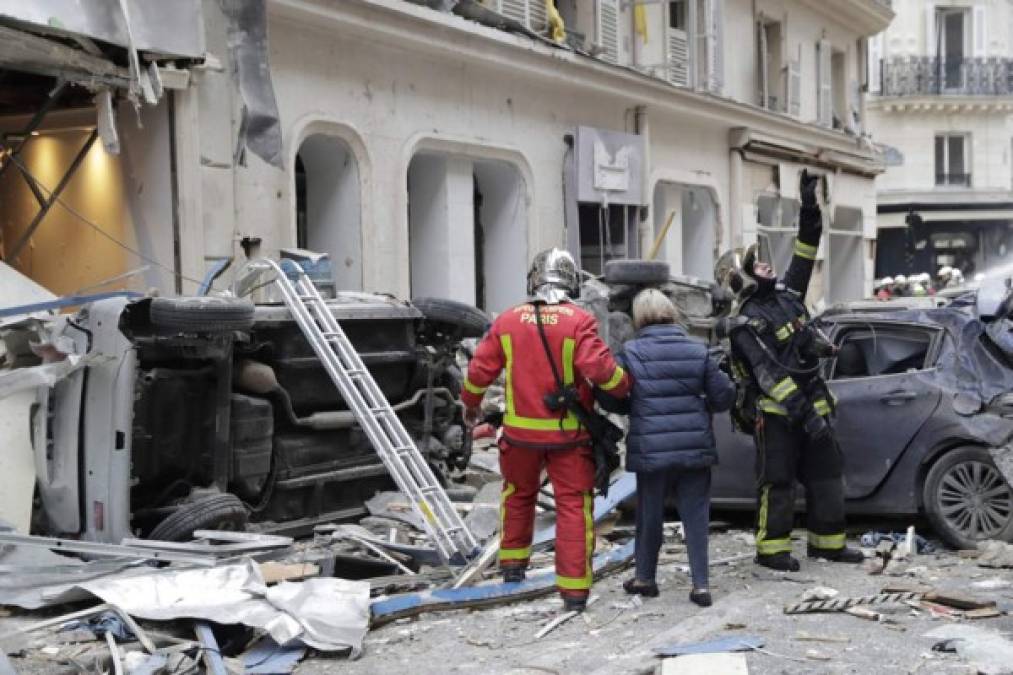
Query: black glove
{"points": [[807, 183], [816, 427]]}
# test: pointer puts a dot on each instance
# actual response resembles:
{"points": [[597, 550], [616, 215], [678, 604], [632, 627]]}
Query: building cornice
{"points": [[946, 104], [869, 16], [419, 28]]}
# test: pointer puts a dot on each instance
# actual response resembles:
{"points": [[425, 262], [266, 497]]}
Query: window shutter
{"points": [[715, 26], [931, 46], [678, 57], [530, 13], [608, 29], [793, 93], [761, 61], [875, 59], [979, 28], [854, 121], [824, 85]]}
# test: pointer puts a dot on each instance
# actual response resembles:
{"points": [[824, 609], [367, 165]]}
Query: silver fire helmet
{"points": [[734, 270], [553, 277]]}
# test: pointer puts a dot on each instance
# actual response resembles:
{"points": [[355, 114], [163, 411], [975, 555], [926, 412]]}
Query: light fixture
{"points": [[35, 133]]}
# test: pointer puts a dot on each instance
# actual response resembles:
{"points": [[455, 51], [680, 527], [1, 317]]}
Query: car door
{"points": [[883, 396], [733, 481]]}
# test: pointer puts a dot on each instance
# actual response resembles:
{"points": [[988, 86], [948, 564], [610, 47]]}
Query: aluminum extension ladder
{"points": [[413, 476]]}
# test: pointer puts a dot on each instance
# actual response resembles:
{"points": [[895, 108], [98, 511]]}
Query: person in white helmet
{"points": [[885, 290], [956, 279], [900, 288], [944, 276]]}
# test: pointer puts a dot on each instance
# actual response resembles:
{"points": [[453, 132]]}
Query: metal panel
{"points": [[610, 167], [172, 28]]}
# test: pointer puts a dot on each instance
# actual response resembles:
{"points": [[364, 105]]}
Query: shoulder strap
{"points": [[548, 350]]}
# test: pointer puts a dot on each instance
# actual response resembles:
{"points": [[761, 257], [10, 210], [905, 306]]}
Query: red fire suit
{"points": [[535, 436]]}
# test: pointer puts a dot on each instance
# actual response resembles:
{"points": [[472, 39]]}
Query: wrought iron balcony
{"points": [[955, 179], [934, 76]]}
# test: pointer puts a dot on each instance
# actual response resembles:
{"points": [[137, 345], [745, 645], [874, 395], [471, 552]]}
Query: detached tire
{"points": [[637, 272], [217, 512], [967, 499], [202, 314], [470, 321]]}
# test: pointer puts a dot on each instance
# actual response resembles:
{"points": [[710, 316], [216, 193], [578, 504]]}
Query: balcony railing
{"points": [[934, 76], [956, 179]]}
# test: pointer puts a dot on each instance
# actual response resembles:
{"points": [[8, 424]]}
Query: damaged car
{"points": [[924, 417], [215, 413]]}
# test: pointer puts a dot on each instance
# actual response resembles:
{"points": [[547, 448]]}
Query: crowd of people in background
{"points": [[919, 285]]}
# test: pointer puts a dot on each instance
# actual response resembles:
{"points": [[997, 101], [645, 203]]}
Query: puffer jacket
{"points": [[676, 388]]}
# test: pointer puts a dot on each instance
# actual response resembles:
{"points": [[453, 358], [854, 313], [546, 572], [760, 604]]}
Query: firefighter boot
{"points": [[574, 603], [512, 574], [844, 555], [782, 562]]}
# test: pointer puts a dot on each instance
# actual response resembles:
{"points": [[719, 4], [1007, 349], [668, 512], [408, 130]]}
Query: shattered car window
{"points": [[871, 351]]}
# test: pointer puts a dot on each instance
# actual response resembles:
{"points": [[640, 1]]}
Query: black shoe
{"points": [[843, 555], [635, 586], [512, 575], [782, 562], [701, 598], [574, 603]]}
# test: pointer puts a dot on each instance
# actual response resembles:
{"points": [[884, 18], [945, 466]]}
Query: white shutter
{"points": [[979, 32], [875, 56], [931, 46], [716, 46], [824, 84], [793, 89], [530, 13], [678, 57], [761, 60], [854, 109], [608, 29]]}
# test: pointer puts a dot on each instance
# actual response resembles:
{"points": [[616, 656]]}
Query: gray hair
{"points": [[652, 307]]}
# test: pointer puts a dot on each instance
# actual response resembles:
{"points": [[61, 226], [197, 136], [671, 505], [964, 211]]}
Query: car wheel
{"points": [[217, 512], [967, 500], [636, 272], [471, 322], [206, 314]]}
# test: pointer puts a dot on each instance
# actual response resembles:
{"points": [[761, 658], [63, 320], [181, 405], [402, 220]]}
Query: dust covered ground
{"points": [[617, 633]]}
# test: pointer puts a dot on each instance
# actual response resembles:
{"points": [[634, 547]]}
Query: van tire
{"points": [[217, 512], [637, 272], [469, 320], [205, 314]]}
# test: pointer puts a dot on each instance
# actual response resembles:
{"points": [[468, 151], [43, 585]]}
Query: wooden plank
{"points": [[958, 600], [273, 571], [24, 51]]}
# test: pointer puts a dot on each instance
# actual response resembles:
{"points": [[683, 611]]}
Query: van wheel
{"points": [[468, 321], [217, 512], [204, 314], [967, 500]]}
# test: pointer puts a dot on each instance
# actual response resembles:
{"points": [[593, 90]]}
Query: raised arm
{"points": [[807, 242]]}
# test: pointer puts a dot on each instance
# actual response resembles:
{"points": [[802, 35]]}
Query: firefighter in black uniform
{"points": [[783, 400]]}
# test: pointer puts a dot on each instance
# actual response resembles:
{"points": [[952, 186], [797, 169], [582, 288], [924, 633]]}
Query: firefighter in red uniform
{"points": [[536, 436]]}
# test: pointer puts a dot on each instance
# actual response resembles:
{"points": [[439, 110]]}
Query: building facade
{"points": [[432, 152], [941, 97]]}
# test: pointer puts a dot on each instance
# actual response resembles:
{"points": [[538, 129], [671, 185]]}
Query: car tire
{"points": [[207, 314], [469, 321], [637, 272], [217, 512], [967, 499]]}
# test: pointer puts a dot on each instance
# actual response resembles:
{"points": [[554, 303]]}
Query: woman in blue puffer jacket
{"points": [[676, 388]]}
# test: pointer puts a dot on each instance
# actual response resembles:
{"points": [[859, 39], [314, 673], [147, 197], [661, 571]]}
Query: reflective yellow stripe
{"points": [[761, 518], [821, 406], [827, 541], [473, 388], [768, 406], [614, 381], [511, 418], [784, 332], [806, 251], [515, 553], [783, 389], [772, 546], [509, 553], [583, 583]]}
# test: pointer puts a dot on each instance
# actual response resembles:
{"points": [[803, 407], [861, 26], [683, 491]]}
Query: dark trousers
{"points": [[693, 499], [785, 454]]}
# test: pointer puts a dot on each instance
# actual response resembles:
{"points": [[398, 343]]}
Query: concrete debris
{"points": [[820, 593], [727, 664], [995, 554], [988, 651]]}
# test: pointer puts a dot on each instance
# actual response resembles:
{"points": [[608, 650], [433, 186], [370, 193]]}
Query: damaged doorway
{"points": [[467, 230], [688, 247], [328, 206]]}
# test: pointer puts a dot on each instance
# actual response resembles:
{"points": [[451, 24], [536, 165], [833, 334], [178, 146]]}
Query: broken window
{"points": [[467, 230], [881, 350], [328, 206], [606, 234]]}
